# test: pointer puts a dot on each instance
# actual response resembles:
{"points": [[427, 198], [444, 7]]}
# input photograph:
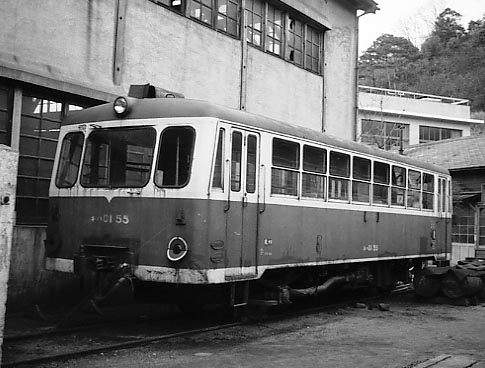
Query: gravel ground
{"points": [[407, 335]]}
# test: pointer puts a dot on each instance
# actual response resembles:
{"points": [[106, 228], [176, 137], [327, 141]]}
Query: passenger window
{"points": [[314, 167], [286, 162], [428, 191], [398, 189], [340, 172], [414, 189], [70, 160], [361, 180], [218, 175], [380, 193], [175, 157], [236, 161]]}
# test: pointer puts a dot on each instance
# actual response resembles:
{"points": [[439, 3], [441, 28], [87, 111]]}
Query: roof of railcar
{"points": [[179, 108]]}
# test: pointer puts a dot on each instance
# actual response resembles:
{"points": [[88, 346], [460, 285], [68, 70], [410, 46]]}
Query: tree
{"points": [[447, 34], [384, 64]]}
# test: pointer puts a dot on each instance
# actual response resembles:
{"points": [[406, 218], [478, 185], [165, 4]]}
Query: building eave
{"points": [[421, 115]]}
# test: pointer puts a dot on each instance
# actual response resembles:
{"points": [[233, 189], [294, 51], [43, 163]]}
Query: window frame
{"points": [[293, 172], [334, 178], [158, 154]]}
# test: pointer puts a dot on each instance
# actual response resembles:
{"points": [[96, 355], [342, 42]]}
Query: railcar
{"points": [[199, 202]]}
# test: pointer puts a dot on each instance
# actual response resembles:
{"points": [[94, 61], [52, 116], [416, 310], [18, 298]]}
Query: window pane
{"points": [[314, 159], [428, 201], [339, 164], [361, 170], [227, 16], [236, 161], [414, 200], [174, 157], [338, 189], [123, 157], [399, 176], [274, 30], [313, 186], [284, 182], [254, 16], [397, 196], [201, 10], [70, 159], [360, 192], [381, 173], [218, 176], [286, 153], [414, 179], [6, 100], [251, 164], [380, 194], [428, 182]]}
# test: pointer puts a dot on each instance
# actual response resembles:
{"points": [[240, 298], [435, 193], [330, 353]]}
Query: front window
{"points": [[117, 158], [175, 157], [70, 159]]}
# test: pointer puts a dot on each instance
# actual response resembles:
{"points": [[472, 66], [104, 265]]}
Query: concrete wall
{"points": [[8, 179], [84, 44]]}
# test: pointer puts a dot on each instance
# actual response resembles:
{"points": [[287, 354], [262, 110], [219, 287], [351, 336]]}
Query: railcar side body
{"points": [[189, 193]]}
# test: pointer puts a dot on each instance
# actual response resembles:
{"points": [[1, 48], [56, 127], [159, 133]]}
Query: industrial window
{"points": [[39, 131], [428, 191], [384, 135], [265, 24], [463, 223], [174, 156], [6, 103], [414, 189], [430, 134], [398, 189], [218, 174], [295, 41], [361, 175], [202, 10], [254, 21], [380, 191], [219, 14], [227, 16], [314, 169], [175, 5], [70, 159], [312, 50], [286, 163], [274, 30], [339, 176]]}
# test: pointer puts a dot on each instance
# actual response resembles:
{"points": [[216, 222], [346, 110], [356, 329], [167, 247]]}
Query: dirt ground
{"points": [[410, 334]]}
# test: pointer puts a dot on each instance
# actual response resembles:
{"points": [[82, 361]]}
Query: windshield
{"points": [[119, 157]]}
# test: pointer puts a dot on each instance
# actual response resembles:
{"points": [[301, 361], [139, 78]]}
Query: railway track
{"points": [[71, 343]]}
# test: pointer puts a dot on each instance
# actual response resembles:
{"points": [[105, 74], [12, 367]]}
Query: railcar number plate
{"points": [[371, 248], [109, 218]]}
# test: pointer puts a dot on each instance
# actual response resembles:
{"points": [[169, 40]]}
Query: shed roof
{"points": [[454, 154]]}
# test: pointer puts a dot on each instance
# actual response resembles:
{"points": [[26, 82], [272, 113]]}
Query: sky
{"points": [[412, 19]]}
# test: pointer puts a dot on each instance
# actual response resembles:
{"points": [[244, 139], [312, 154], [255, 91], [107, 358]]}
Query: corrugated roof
{"points": [[457, 153]]}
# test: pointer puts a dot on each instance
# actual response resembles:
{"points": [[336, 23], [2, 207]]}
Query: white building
{"points": [[385, 114]]}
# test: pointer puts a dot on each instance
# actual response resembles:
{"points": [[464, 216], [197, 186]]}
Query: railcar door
{"points": [[242, 208]]}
